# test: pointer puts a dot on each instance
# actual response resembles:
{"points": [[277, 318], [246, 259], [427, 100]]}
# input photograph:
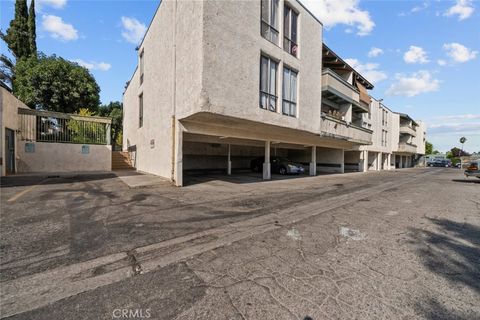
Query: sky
{"points": [[422, 56]]}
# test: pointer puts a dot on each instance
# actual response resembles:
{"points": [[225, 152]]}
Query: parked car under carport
{"points": [[278, 165]]}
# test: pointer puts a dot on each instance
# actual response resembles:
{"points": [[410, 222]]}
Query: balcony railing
{"points": [[337, 89], [407, 147], [334, 83], [340, 129], [54, 127], [408, 130]]}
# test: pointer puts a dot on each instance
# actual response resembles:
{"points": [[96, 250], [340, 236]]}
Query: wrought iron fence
{"points": [[45, 126]]}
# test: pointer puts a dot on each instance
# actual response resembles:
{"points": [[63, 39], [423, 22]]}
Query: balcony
{"points": [[339, 129], [338, 90], [407, 147], [408, 130]]}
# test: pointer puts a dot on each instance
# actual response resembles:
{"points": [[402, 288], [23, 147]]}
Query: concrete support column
{"points": [[178, 156], [363, 165], [401, 162], [379, 161], [229, 162], [267, 172], [313, 162], [389, 161], [342, 164]]}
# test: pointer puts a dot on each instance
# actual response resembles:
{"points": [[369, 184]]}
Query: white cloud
{"points": [[415, 55], [455, 127], [441, 62], [375, 52], [92, 65], [459, 117], [59, 29], [463, 8], [459, 53], [57, 4], [423, 6], [133, 30], [368, 70], [414, 84], [348, 12]]}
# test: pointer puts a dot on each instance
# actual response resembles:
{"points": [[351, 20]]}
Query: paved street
{"points": [[382, 245]]}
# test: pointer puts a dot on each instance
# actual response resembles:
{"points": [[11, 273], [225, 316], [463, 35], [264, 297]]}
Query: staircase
{"points": [[121, 161]]}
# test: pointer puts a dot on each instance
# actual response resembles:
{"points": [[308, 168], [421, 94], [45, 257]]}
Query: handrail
{"points": [[325, 115], [64, 115]]}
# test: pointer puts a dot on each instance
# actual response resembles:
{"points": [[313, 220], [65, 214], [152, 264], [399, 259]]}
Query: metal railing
{"points": [[55, 127]]}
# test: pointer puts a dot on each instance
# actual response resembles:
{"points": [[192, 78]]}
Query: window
{"points": [[386, 135], [289, 106], [269, 28], [141, 67], [140, 110], [290, 30], [268, 84]]}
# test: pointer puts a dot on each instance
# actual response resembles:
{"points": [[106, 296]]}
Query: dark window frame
{"points": [[290, 45], [268, 26], [286, 100], [140, 110], [269, 95], [142, 65]]}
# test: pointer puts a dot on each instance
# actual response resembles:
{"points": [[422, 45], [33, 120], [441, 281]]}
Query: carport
{"points": [[214, 156], [212, 143]]}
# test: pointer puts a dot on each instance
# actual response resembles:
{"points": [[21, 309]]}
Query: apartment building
{"points": [[411, 141], [215, 89]]}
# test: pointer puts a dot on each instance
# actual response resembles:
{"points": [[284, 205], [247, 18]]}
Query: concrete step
{"points": [[121, 161]]}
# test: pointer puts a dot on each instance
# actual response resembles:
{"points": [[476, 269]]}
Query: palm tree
{"points": [[462, 141]]}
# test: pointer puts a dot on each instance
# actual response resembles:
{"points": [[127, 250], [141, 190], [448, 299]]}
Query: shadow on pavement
{"points": [[451, 252], [467, 181], [21, 181], [434, 310]]}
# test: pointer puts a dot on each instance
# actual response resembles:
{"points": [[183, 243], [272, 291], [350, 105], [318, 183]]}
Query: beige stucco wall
{"points": [[63, 157], [167, 70], [205, 56], [9, 105], [375, 122], [232, 47], [419, 139]]}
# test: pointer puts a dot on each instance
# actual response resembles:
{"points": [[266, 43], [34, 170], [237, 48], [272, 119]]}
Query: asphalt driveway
{"points": [[394, 245]]}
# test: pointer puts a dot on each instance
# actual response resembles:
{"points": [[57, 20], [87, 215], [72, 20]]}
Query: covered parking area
{"points": [[224, 147]]}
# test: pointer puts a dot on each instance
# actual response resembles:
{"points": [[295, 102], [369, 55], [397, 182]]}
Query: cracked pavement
{"points": [[398, 245]]}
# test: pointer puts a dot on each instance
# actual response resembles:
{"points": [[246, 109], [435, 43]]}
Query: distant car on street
{"points": [[278, 165], [472, 169], [440, 163]]}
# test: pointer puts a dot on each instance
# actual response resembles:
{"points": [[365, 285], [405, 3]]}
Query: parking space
{"points": [[206, 158]]}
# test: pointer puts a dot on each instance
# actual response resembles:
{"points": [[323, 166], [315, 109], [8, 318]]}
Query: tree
{"points": [[17, 36], [32, 33], [86, 132], [7, 72], [456, 152], [55, 84], [114, 110], [428, 148]]}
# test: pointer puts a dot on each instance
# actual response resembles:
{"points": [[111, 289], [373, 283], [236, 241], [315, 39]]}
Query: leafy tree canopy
{"points": [[114, 110], [428, 148], [55, 84]]}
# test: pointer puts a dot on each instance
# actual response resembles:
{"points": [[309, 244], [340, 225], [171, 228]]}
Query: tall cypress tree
{"points": [[17, 36], [32, 33]]}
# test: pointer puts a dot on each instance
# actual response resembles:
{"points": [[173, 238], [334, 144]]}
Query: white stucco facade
{"points": [[198, 80]]}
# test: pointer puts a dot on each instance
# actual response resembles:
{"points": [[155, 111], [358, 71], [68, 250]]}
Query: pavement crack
{"points": [[136, 267]]}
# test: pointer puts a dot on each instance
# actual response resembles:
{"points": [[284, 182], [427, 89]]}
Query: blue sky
{"points": [[422, 56]]}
